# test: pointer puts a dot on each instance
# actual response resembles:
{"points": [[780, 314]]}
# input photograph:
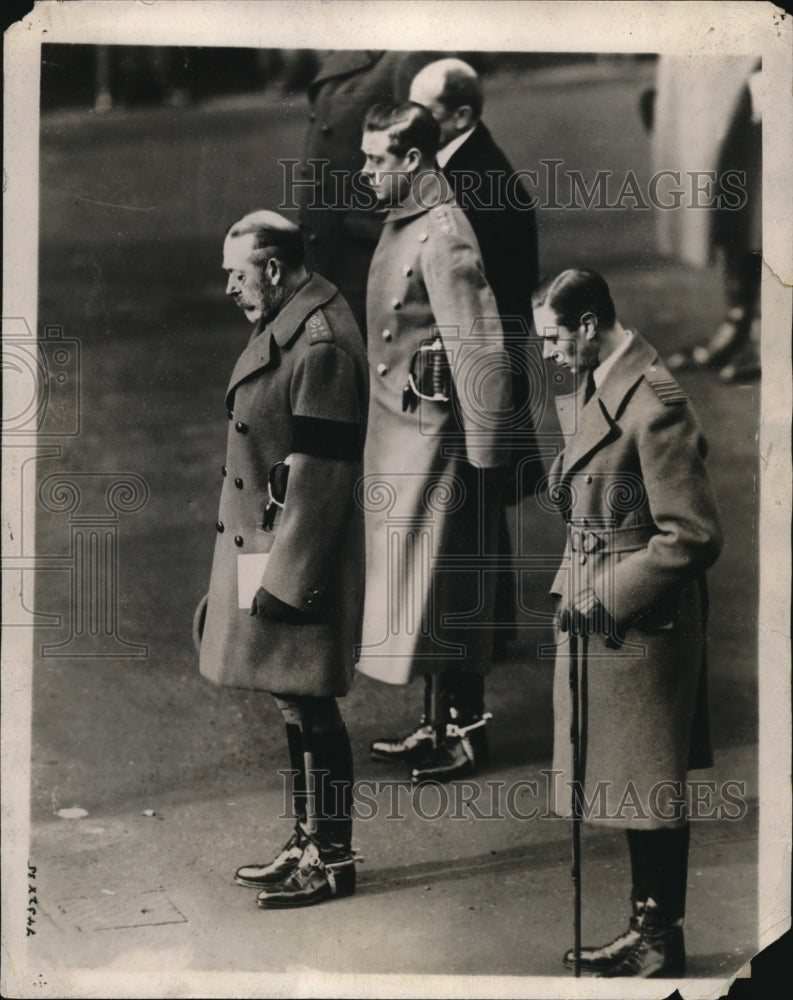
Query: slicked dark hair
{"points": [[573, 293], [409, 126]]}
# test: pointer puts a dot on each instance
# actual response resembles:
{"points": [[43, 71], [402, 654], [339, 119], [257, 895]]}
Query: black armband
{"points": [[327, 439]]}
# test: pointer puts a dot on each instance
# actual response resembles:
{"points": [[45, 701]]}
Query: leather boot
{"points": [[660, 950], [319, 876], [261, 873], [459, 753], [599, 959], [257, 876], [404, 749], [333, 778], [417, 744]]}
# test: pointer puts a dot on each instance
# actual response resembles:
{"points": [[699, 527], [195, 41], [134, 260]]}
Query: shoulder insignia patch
{"points": [[666, 388], [317, 328]]}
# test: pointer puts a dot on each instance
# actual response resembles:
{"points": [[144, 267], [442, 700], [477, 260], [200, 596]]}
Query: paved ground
{"points": [[133, 205]]}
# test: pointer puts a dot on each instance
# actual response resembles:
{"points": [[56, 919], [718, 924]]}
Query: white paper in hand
{"points": [[250, 570]]}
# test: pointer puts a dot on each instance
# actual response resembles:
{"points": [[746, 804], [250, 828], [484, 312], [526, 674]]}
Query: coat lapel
{"points": [[289, 321], [588, 428]]}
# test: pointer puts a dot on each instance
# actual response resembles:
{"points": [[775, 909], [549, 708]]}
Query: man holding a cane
{"points": [[630, 709]]}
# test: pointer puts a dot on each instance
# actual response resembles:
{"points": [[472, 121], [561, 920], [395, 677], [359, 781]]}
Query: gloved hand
{"points": [[269, 606], [585, 615]]}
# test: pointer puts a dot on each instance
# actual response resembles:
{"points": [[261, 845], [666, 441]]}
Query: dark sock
{"points": [[659, 867], [333, 768], [294, 741]]}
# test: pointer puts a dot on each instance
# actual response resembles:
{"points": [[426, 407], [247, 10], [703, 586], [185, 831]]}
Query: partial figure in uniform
{"points": [[434, 456], [705, 115], [283, 612], [503, 220], [643, 528], [339, 221]]}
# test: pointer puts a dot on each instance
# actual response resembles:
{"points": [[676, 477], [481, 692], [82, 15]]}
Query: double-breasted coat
{"points": [[644, 527], [299, 389], [337, 215], [431, 506]]}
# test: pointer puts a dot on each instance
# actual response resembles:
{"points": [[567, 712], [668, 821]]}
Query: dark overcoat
{"points": [[299, 389], [337, 216], [499, 209], [431, 512], [644, 528]]}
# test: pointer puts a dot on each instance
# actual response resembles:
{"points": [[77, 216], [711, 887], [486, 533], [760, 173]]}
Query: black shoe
{"points": [[317, 877], [660, 950], [271, 873], [458, 754], [407, 749], [600, 959]]}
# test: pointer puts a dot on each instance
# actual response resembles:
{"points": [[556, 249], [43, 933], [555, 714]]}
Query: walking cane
{"points": [[578, 656], [308, 768]]}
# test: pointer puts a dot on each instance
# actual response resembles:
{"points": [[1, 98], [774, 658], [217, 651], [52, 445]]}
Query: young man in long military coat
{"points": [[643, 529], [339, 220], [440, 397], [283, 611], [504, 222]]}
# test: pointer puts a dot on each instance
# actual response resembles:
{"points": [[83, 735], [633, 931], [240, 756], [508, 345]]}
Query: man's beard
{"points": [[272, 297]]}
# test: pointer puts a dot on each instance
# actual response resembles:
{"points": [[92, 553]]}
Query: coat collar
{"points": [[478, 140], [588, 427], [344, 63], [316, 293], [428, 190]]}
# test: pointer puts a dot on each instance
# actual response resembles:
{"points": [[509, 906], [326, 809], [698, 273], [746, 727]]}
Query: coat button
{"points": [[581, 559], [313, 238], [241, 427], [231, 414], [238, 540], [386, 335], [312, 117], [396, 304], [587, 479], [407, 270], [221, 527], [238, 483], [424, 236], [325, 129], [224, 470], [382, 369]]}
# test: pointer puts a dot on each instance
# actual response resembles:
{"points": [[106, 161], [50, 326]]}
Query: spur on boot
{"points": [[318, 876], [459, 753]]}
